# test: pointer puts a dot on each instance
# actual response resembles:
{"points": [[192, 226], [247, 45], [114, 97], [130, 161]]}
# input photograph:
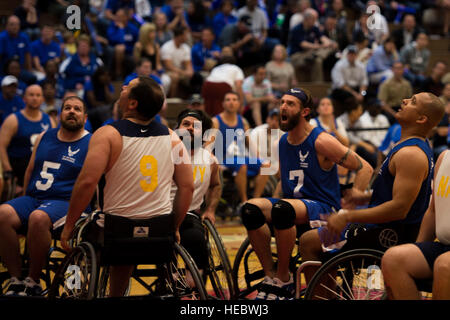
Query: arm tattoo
{"points": [[360, 165], [344, 157]]}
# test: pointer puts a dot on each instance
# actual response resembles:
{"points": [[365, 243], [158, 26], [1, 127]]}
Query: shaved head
{"points": [[431, 106]]}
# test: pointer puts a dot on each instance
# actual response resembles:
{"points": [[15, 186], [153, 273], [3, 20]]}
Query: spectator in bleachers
{"points": [[98, 91], [45, 49], [337, 7], [280, 72], [335, 32], [175, 14], [196, 102], [10, 101], [433, 83], [13, 68], [143, 68], [147, 47], [309, 47], [122, 35], [69, 44], [375, 119], [176, 59], [445, 97], [439, 137], [51, 104], [259, 97], [259, 28], [361, 43], [205, 53], [361, 27], [29, 18], [416, 57], [197, 18], [379, 66], [224, 17], [298, 17], [352, 119], [349, 78], [52, 75], [381, 29], [16, 44], [407, 33], [112, 6], [76, 69], [393, 91], [225, 77], [163, 33]]}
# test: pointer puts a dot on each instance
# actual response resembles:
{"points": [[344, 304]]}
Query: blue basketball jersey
{"points": [[56, 166], [301, 174], [233, 139], [22, 143], [383, 184]]}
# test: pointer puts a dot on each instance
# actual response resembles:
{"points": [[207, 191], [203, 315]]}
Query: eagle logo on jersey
{"points": [[303, 158], [44, 127], [72, 153]]}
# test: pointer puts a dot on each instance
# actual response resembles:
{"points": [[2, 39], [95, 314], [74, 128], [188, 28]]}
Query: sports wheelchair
{"points": [[353, 273], [84, 272]]}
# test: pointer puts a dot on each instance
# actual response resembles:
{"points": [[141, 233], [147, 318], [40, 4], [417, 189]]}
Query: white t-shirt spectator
{"points": [[258, 18], [169, 51], [228, 73], [257, 90]]}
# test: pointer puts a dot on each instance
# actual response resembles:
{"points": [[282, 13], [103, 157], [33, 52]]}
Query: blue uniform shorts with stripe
{"points": [[24, 206], [432, 250]]}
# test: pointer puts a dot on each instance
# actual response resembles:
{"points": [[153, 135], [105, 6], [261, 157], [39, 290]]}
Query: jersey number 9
{"points": [[149, 169]]}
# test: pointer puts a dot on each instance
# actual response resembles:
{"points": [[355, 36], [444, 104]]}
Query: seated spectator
{"points": [[29, 18], [362, 28], [223, 18], [258, 96], [52, 75], [122, 35], [298, 16], [364, 52], [433, 83], [407, 33], [381, 29], [16, 44], [415, 56], [379, 66], [335, 31], [205, 53], [280, 72], [224, 78], [98, 91], [375, 119], [259, 28], [175, 14], [197, 18], [112, 6], [45, 49], [10, 101], [13, 68], [176, 59], [76, 69], [196, 102], [349, 78], [309, 47], [143, 68], [393, 135], [352, 119], [393, 91], [439, 138], [51, 104], [337, 7], [238, 36], [163, 33]]}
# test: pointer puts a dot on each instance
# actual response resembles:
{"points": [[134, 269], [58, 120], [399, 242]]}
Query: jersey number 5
{"points": [[149, 169], [46, 175]]}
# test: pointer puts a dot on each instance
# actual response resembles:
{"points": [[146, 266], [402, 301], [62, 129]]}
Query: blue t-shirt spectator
{"points": [[298, 34], [74, 72], [220, 21], [44, 51], [10, 106], [99, 94], [13, 47], [127, 36], [115, 5], [199, 53], [380, 61]]}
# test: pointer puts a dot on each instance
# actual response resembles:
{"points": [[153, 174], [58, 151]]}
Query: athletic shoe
{"points": [[282, 290], [263, 287], [15, 288], [32, 289]]}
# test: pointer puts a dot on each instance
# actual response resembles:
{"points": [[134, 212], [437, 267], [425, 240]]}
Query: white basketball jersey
{"points": [[201, 160], [138, 184], [442, 200]]}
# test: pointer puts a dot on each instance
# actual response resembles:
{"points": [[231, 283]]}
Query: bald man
{"points": [[19, 132], [401, 190]]}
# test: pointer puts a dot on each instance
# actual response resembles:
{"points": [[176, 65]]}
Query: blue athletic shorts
{"points": [[432, 250], [24, 206], [253, 165]]}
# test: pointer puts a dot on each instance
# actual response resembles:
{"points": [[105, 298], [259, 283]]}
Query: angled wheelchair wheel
{"points": [[77, 275], [219, 267], [103, 283], [350, 275], [183, 280]]}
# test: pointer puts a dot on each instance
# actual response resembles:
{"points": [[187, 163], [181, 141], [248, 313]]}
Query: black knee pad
{"points": [[283, 215], [252, 217]]}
